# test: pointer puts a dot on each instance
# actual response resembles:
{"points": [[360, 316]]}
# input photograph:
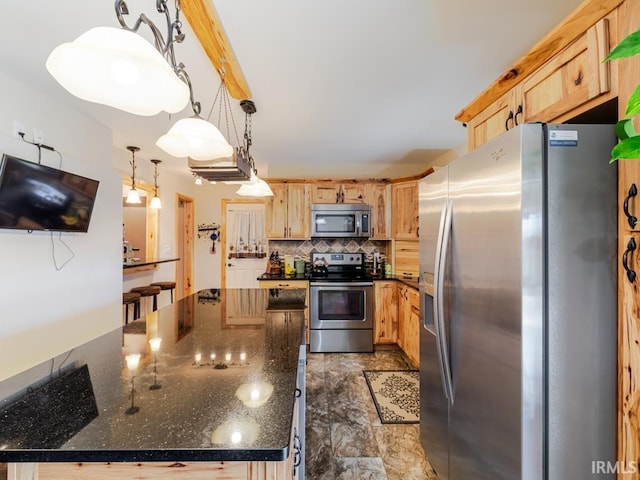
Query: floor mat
{"points": [[396, 394]]}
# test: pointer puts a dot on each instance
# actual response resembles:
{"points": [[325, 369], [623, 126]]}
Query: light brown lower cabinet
{"points": [[397, 317], [385, 314], [409, 322]]}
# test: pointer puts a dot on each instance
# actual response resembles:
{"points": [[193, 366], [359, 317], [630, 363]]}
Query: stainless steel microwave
{"points": [[341, 220]]}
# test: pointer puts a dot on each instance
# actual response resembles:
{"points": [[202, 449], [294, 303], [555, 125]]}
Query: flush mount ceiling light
{"points": [[119, 68], [155, 200], [256, 187], [133, 196]]}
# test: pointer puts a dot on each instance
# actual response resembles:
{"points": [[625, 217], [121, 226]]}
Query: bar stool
{"points": [[149, 291], [131, 298], [166, 286]]}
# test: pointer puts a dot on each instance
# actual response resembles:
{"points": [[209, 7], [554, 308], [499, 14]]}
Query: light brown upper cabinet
{"points": [[378, 195], [405, 210], [495, 119], [338, 193], [288, 211], [570, 83], [562, 87]]}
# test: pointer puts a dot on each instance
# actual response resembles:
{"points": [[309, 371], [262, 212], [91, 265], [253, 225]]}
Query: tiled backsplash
{"points": [[304, 248]]}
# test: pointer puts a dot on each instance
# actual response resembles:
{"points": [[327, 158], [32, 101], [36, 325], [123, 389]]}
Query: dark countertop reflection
{"points": [[221, 386]]}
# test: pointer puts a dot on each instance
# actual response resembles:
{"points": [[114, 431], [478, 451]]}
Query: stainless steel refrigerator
{"points": [[518, 301]]}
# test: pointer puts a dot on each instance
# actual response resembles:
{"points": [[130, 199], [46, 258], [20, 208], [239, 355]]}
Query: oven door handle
{"points": [[340, 284]]}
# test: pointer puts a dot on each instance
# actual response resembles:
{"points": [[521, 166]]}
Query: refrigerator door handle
{"points": [[438, 297], [443, 348]]}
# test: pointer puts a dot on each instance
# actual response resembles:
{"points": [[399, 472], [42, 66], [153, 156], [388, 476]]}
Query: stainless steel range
{"points": [[340, 304]]}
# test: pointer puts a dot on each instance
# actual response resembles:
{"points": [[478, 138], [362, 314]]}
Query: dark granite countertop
{"points": [[409, 281], [283, 277], [200, 412], [148, 261]]}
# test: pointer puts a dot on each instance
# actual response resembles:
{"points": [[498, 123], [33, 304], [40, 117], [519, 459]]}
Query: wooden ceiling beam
{"points": [[206, 25]]}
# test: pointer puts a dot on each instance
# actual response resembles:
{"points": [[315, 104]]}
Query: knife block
{"points": [[274, 268]]}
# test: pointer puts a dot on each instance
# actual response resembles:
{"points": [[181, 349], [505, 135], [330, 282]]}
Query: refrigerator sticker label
{"points": [[563, 138]]}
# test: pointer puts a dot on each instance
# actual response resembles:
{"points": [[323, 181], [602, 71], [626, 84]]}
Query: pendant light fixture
{"points": [[119, 68], [256, 187], [227, 165], [197, 138], [133, 196], [155, 200]]}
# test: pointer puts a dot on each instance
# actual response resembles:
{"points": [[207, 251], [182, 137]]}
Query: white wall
{"points": [[209, 210], [44, 311]]}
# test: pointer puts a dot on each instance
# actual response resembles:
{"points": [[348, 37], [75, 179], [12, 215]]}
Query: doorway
{"points": [[243, 241], [184, 243]]}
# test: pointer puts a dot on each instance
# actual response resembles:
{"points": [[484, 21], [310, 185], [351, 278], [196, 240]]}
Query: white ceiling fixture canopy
{"points": [[118, 68]]}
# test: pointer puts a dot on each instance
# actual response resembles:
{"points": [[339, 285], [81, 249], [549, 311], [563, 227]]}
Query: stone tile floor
{"points": [[345, 439]]}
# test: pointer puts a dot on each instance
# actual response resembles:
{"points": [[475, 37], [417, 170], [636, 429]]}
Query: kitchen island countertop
{"points": [[221, 387]]}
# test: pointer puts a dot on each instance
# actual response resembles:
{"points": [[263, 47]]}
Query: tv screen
{"points": [[37, 197]]}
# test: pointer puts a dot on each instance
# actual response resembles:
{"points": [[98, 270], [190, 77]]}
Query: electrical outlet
{"points": [[38, 135], [18, 128]]}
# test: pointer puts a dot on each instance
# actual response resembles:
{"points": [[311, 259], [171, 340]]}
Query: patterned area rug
{"points": [[396, 394]]}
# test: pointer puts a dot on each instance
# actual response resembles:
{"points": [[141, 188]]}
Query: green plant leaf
{"points": [[625, 129], [628, 47], [627, 149], [633, 105]]}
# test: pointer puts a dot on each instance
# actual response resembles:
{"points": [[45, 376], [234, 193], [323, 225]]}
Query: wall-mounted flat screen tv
{"points": [[36, 197]]}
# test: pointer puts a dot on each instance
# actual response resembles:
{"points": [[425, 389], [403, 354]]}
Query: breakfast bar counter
{"points": [[139, 265], [215, 377]]}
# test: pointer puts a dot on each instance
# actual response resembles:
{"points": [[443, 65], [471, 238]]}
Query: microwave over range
{"points": [[341, 220]]}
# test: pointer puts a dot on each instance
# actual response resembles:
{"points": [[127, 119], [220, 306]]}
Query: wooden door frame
{"points": [[223, 234], [188, 227]]}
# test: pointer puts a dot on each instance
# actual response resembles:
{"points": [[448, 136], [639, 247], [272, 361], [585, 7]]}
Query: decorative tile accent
{"points": [[306, 247], [352, 247], [337, 245], [322, 246], [368, 247]]}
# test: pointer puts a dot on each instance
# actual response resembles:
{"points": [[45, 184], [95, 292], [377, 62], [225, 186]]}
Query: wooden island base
{"points": [[152, 471]]}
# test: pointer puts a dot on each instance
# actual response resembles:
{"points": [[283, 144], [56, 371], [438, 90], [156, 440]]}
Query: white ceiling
{"points": [[343, 88]]}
